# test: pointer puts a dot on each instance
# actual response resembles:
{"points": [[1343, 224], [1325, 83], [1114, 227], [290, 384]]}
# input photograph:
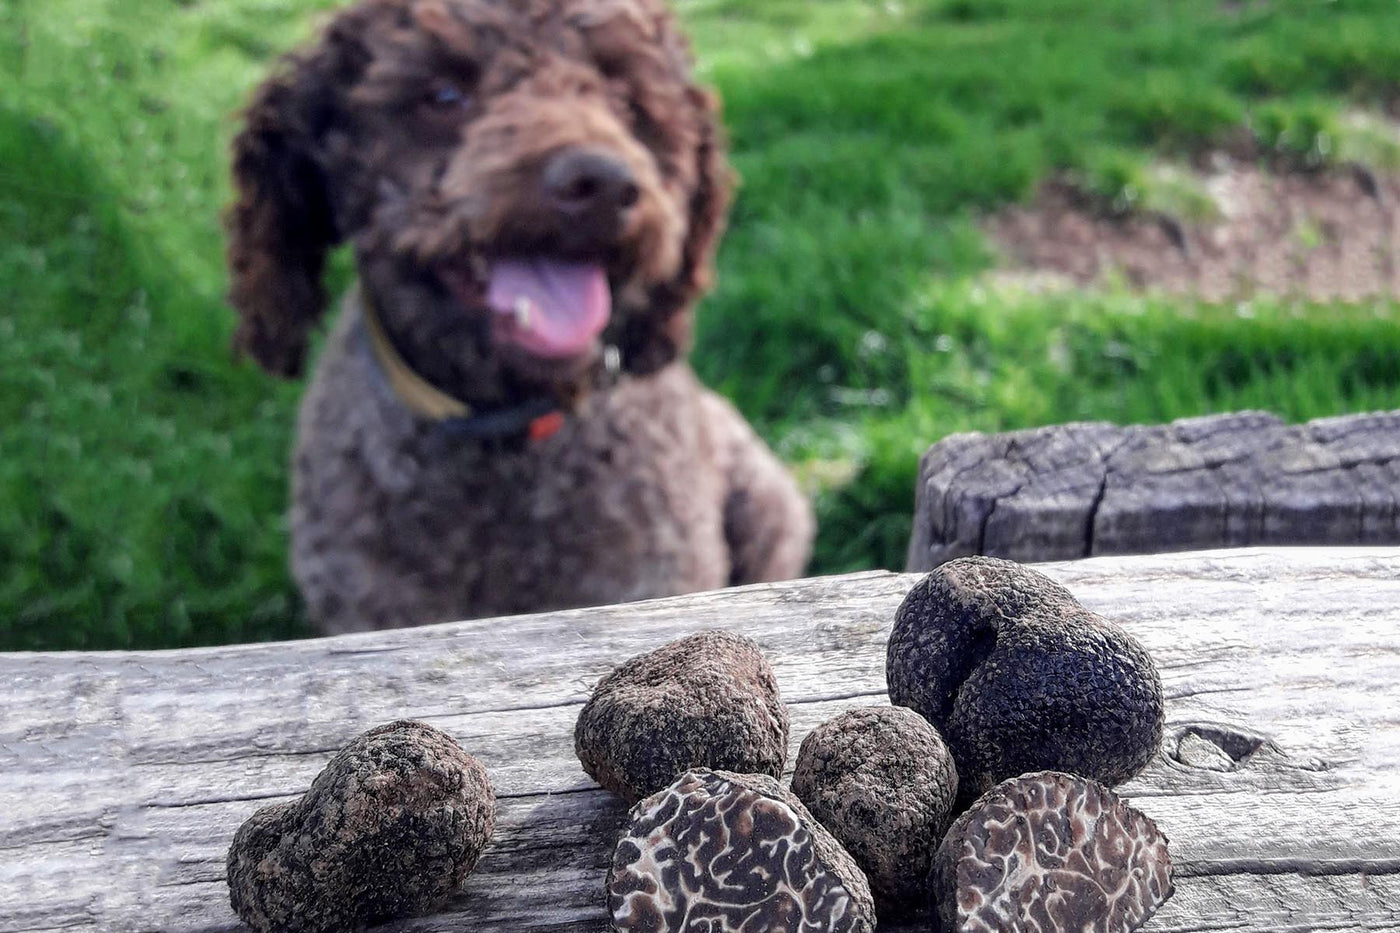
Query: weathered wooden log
{"points": [[124, 776], [1092, 488]]}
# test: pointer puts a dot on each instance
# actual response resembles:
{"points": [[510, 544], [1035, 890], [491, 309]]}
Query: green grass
{"points": [[142, 475]]}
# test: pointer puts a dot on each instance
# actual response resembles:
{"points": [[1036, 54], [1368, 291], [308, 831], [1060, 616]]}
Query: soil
{"points": [[1331, 234]]}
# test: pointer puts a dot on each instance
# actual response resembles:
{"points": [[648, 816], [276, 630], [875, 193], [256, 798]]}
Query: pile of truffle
{"points": [[979, 800]]}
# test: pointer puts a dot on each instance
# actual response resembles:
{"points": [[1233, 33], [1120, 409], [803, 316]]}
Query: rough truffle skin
{"points": [[733, 853], [882, 781], [1017, 676], [707, 701], [1048, 852], [390, 828]]}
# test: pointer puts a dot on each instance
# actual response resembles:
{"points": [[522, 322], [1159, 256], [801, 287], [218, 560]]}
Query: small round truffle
{"points": [[733, 853], [390, 828], [1047, 852], [707, 701], [882, 781], [1017, 676]]}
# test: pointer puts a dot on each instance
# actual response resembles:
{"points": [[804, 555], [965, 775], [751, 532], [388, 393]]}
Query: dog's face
{"points": [[524, 184]]}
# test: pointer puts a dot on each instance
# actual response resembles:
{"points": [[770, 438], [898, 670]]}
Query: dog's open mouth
{"points": [[551, 308]]}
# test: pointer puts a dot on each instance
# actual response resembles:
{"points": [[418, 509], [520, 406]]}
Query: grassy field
{"points": [[142, 469]]}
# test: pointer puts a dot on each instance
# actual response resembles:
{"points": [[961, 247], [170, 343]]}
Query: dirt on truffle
{"points": [[390, 828], [1050, 852], [733, 853], [1324, 235], [707, 701], [883, 782]]}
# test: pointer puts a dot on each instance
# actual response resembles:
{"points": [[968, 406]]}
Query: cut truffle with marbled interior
{"points": [[707, 701], [882, 781], [733, 853], [390, 828], [1017, 676], [1049, 852]]}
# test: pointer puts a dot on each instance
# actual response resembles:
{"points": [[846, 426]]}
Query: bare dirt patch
{"points": [[1330, 234]]}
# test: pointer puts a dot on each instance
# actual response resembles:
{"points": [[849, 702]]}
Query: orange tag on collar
{"points": [[546, 426]]}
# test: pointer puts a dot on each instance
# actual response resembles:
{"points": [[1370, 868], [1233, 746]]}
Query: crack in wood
{"points": [[1314, 868], [1189, 692], [439, 715]]}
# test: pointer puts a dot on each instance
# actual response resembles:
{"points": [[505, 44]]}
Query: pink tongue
{"points": [[551, 308]]}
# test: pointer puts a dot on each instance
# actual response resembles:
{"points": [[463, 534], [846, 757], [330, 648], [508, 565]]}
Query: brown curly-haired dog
{"points": [[501, 421]]}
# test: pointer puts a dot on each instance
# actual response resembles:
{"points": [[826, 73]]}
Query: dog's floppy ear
{"points": [[281, 224], [650, 342], [709, 204]]}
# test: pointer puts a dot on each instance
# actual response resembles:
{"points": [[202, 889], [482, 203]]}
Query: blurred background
{"points": [[954, 215]]}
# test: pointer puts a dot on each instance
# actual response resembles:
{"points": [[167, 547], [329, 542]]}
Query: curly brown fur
{"points": [[446, 141]]}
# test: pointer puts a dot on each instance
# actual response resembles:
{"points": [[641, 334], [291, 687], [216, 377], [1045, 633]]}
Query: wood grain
{"points": [[1089, 489], [126, 774]]}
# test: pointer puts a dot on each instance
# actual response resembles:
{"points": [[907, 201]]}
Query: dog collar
{"points": [[537, 419]]}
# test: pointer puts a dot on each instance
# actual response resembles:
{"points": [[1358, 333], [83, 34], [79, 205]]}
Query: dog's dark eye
{"points": [[444, 96]]}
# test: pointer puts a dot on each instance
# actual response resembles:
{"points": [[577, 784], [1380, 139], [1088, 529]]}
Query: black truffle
{"points": [[1048, 852], [882, 781], [390, 828], [733, 853], [707, 701], [1019, 677]]}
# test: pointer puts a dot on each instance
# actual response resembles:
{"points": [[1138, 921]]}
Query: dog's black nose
{"points": [[588, 183]]}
